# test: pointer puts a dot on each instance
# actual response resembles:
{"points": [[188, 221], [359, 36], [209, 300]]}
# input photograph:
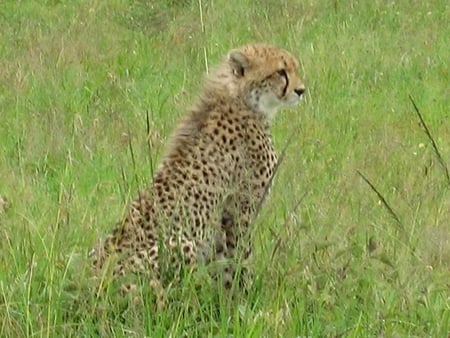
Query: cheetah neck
{"points": [[222, 93]]}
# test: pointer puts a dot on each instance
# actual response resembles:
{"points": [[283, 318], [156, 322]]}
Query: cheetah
{"points": [[218, 165]]}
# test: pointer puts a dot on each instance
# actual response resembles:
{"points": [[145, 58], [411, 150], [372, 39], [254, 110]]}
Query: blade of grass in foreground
{"points": [[433, 143], [383, 200]]}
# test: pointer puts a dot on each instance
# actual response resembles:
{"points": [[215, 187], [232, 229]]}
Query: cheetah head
{"points": [[266, 78]]}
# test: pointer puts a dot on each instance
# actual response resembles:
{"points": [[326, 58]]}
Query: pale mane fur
{"points": [[218, 87]]}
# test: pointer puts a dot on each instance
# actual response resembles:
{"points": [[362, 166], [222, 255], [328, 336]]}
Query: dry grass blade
{"points": [[3, 204], [433, 143], [383, 200]]}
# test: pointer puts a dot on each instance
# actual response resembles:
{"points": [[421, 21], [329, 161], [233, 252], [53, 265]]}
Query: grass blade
{"points": [[269, 185], [133, 159], [383, 200], [279, 237], [149, 143], [433, 143]]}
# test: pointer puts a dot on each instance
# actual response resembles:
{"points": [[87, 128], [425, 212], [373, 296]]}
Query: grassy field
{"points": [[335, 256]]}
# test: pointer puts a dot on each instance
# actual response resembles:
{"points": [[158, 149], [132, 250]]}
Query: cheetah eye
{"points": [[282, 73]]}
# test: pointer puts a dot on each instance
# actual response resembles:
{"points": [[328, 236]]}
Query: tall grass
{"points": [[82, 83]]}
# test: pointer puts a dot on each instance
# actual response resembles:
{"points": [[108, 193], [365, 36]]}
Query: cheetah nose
{"points": [[299, 91]]}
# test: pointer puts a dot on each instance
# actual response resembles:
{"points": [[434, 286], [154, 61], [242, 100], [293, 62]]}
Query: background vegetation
{"points": [[77, 82]]}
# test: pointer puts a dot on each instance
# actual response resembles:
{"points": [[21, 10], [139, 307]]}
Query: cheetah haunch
{"points": [[219, 163]]}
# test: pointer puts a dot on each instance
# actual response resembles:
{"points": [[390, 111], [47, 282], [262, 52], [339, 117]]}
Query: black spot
{"points": [[219, 248]]}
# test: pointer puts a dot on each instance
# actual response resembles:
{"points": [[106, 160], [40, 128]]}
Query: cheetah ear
{"points": [[238, 62]]}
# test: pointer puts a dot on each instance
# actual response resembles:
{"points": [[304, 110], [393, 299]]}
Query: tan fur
{"points": [[202, 201]]}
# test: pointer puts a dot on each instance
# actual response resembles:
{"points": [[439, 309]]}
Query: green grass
{"points": [[77, 80]]}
